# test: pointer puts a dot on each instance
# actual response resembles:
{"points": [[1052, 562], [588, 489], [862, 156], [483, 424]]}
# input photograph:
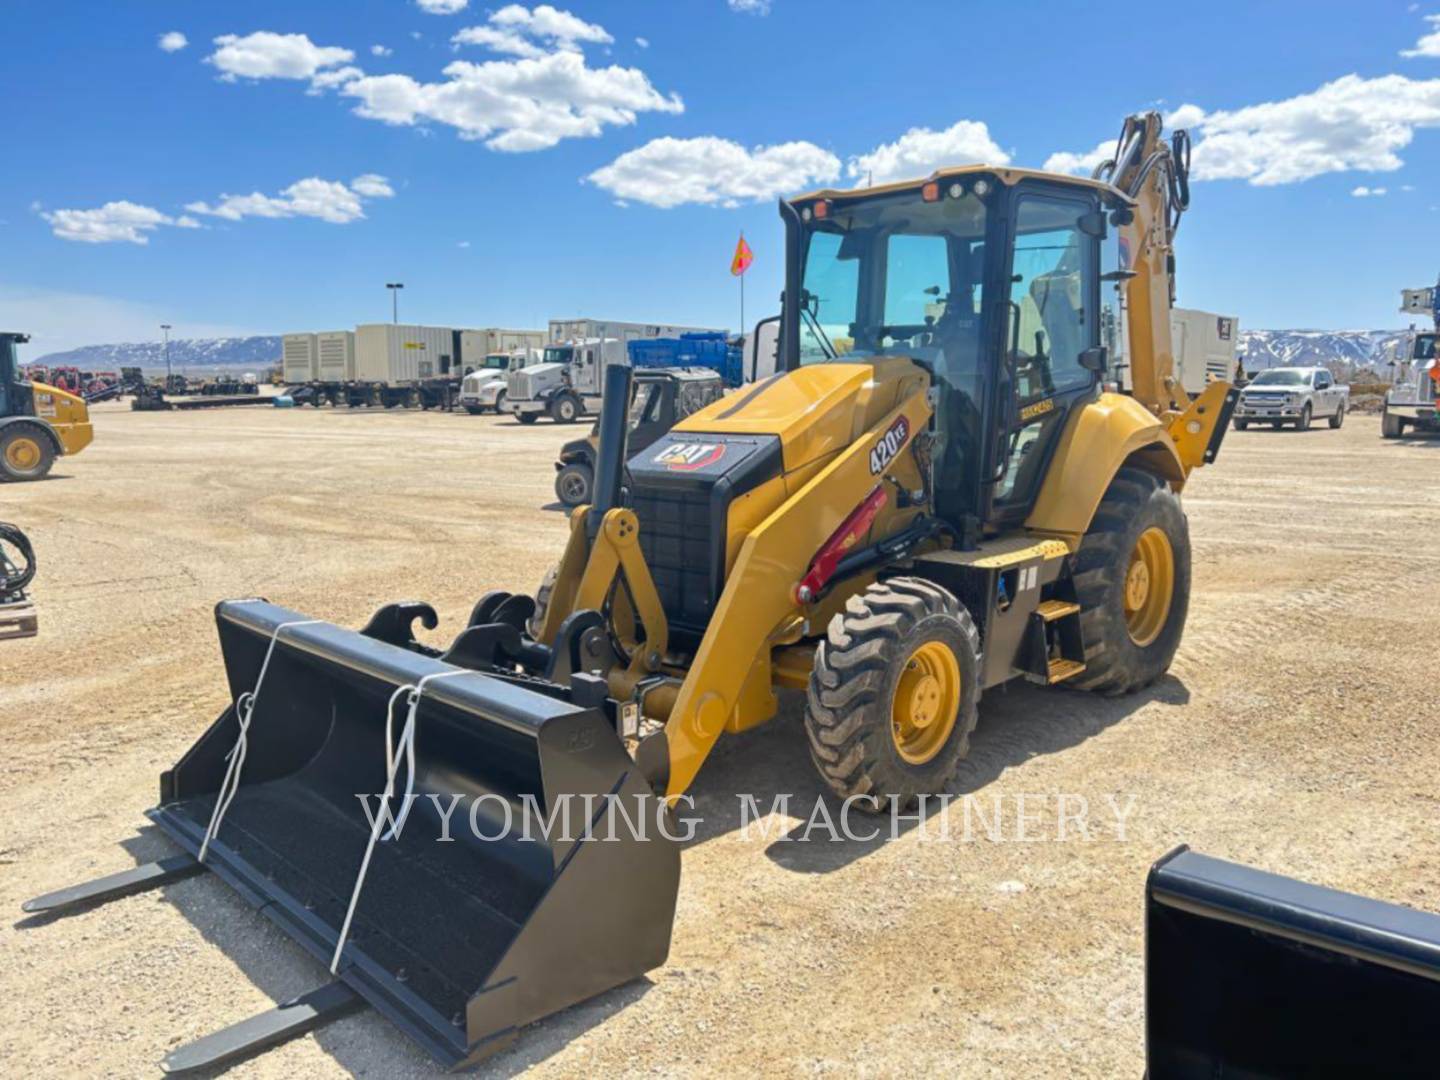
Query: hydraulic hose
{"points": [[15, 578]]}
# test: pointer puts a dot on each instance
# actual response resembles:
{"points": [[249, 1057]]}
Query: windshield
{"points": [[559, 354], [497, 362], [921, 265], [1281, 378]]}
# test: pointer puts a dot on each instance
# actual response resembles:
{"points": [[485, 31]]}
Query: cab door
{"points": [[1050, 356]]}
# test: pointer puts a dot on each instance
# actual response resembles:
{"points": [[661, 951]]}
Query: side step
{"points": [[286, 1021], [1050, 610], [1060, 670], [113, 886]]}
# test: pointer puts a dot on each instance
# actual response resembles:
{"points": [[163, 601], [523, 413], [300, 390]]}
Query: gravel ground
{"points": [[1296, 731]]}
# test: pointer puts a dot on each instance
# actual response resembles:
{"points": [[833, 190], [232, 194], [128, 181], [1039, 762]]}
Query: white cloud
{"points": [[519, 31], [644, 43], [670, 172], [115, 222], [1350, 124], [516, 105], [372, 186], [380, 50], [327, 200], [174, 41], [920, 151], [462, 243], [750, 7], [1363, 192], [1429, 44], [442, 7], [266, 55]]}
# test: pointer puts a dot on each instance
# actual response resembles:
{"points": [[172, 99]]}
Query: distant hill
{"points": [[250, 352], [1315, 348]]}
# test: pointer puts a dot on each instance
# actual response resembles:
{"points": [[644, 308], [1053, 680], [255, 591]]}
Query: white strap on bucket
{"points": [[394, 756], [244, 706]]}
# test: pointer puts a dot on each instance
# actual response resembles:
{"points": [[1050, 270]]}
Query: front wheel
{"points": [[1338, 419], [474, 410], [527, 417], [894, 693], [25, 453], [573, 483], [1303, 424], [1242, 425], [565, 409], [500, 403], [1133, 582]]}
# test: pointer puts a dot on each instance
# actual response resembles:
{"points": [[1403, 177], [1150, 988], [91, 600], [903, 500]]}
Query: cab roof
{"points": [[1006, 175]]}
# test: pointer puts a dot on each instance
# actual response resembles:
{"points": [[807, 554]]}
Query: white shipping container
{"points": [[394, 354], [562, 330], [475, 345], [335, 356], [298, 358]]}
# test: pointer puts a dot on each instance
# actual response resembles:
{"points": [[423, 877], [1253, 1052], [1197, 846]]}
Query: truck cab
{"points": [[1413, 401], [484, 388]]}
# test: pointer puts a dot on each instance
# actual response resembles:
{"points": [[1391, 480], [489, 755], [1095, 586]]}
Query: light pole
{"points": [[166, 328], [394, 287]]}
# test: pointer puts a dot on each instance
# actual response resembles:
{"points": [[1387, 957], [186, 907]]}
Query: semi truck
{"points": [[567, 383], [1413, 400]]}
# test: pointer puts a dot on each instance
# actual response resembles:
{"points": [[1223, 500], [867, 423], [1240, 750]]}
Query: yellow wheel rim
{"points": [[926, 703], [1149, 586], [22, 454]]}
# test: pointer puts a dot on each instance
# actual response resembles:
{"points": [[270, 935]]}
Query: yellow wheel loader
{"points": [[38, 423], [938, 492]]}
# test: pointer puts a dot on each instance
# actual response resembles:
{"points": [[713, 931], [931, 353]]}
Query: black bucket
{"points": [[1250, 974], [458, 941]]}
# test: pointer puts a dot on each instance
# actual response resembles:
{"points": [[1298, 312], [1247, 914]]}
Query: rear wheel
{"points": [[573, 483], [894, 693], [1133, 583], [1338, 418], [25, 452], [1391, 427]]}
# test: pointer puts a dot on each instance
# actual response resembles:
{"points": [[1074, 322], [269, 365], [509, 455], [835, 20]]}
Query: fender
{"points": [[43, 425], [1099, 438]]}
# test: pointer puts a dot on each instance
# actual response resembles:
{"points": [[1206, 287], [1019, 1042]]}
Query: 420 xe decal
{"points": [[890, 444]]}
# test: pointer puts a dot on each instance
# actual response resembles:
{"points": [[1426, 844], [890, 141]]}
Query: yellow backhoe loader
{"points": [[38, 423], [938, 492]]}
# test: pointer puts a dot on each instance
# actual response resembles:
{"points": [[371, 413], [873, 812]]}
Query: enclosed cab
{"points": [[483, 390], [38, 422]]}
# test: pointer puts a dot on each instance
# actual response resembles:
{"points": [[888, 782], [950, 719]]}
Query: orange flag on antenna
{"points": [[743, 257]]}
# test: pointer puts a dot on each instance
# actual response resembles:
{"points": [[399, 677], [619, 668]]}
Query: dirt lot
{"points": [[1297, 731]]}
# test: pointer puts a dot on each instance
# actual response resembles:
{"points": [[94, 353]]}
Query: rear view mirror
{"points": [[1095, 359]]}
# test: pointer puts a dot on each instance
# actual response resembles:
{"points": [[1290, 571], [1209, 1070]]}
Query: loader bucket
{"points": [[458, 939], [1250, 974]]}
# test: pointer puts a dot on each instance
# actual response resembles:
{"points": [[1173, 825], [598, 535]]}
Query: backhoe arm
{"points": [[1156, 176]]}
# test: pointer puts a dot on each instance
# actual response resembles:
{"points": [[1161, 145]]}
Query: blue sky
{"points": [[600, 158]]}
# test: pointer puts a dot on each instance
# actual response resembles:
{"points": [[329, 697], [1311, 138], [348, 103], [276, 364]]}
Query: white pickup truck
{"points": [[1295, 396]]}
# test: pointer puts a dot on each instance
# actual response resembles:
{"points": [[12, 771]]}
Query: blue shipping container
{"points": [[709, 350]]}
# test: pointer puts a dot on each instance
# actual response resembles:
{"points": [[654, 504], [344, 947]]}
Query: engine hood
{"points": [[816, 410]]}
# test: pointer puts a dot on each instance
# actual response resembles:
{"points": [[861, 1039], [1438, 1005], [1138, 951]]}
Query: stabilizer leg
{"points": [[113, 886], [280, 1024]]}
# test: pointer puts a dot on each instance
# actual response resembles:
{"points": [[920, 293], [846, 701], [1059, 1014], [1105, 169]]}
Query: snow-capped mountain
{"points": [[247, 352], [1312, 348]]}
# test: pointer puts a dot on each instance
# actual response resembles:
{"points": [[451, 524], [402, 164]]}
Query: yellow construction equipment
{"points": [[938, 492], [38, 423]]}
